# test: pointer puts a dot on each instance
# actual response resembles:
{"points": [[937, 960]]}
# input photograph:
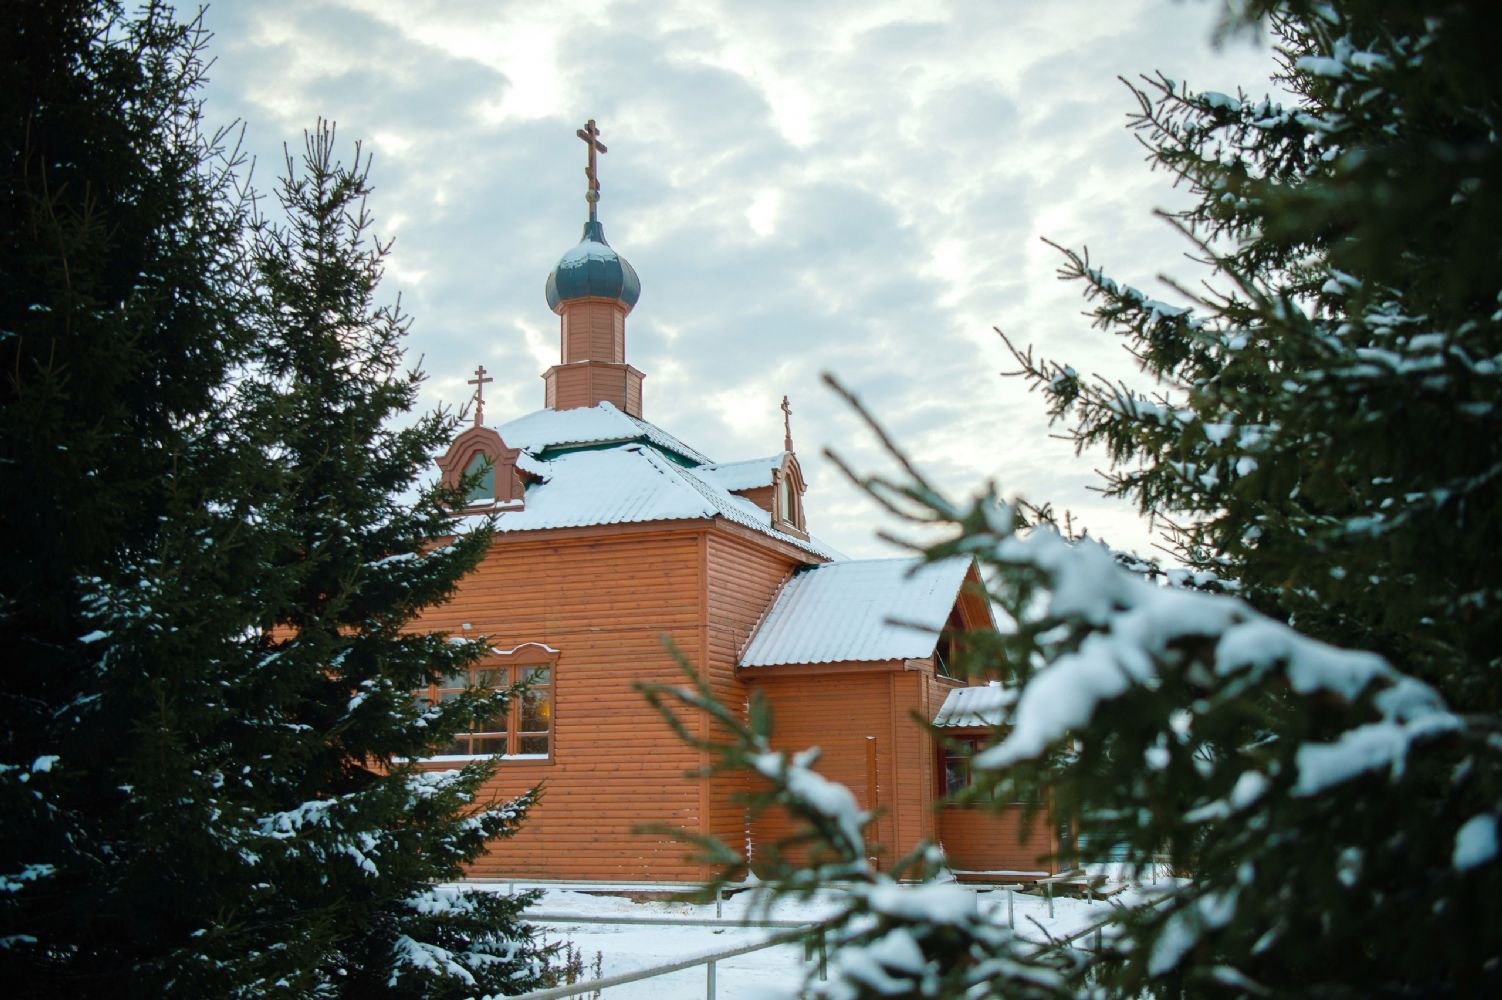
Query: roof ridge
{"points": [[917, 559], [710, 466]]}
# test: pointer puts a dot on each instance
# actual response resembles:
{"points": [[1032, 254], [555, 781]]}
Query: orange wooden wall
{"points": [[606, 598], [841, 708], [980, 840], [604, 601], [742, 581]]}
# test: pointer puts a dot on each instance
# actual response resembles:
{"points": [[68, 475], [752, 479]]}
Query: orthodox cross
{"points": [[479, 383], [787, 425], [591, 136]]}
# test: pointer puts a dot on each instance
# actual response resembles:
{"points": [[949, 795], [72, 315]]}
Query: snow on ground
{"points": [[762, 975]]}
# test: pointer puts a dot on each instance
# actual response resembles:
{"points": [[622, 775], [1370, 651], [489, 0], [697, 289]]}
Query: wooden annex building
{"points": [[614, 534]]}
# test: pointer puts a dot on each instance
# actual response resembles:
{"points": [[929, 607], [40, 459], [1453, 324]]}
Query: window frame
{"points": [[974, 742], [513, 665], [787, 498]]}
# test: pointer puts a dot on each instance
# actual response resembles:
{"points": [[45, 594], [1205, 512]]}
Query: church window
{"points": [[485, 488], [787, 504], [523, 728]]}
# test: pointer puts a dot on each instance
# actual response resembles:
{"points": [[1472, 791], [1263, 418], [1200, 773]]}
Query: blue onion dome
{"points": [[593, 269]]}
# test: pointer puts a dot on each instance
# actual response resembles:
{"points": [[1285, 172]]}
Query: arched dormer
{"points": [[481, 450], [788, 487]]}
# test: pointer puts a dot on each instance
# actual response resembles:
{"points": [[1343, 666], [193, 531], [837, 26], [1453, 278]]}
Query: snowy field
{"points": [[763, 975]]}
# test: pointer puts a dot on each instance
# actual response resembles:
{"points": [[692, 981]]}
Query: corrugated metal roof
{"points": [[867, 609], [627, 484], [975, 706], [602, 424], [746, 475]]}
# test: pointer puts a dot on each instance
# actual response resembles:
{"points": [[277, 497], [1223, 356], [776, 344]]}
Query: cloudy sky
{"points": [[803, 185]]}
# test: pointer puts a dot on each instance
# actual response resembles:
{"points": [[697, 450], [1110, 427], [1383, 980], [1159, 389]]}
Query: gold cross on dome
{"points": [[590, 133], [479, 383], [787, 425]]}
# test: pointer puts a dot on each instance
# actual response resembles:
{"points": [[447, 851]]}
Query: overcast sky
{"points": [[807, 186]]}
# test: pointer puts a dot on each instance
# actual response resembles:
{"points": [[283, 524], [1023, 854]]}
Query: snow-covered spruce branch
{"points": [[889, 939], [1169, 720]]}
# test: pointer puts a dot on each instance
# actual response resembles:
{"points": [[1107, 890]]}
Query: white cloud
{"points": [[854, 186]]}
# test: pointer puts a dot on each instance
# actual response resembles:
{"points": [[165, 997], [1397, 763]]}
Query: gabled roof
{"points": [[746, 475], [603, 424], [867, 609], [975, 706]]}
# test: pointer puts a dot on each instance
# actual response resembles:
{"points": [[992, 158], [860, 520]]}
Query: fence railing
{"points": [[811, 934]]}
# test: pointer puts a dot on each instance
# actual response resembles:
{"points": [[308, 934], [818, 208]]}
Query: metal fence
{"points": [[811, 934]]}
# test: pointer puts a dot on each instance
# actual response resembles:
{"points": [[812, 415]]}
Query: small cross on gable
{"points": [[787, 425], [479, 383]]}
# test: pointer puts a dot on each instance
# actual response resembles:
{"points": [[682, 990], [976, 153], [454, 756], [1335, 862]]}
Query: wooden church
{"points": [[614, 534]]}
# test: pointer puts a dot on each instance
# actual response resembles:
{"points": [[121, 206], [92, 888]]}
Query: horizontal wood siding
{"points": [[605, 600], [981, 840], [742, 581], [759, 495], [841, 714]]}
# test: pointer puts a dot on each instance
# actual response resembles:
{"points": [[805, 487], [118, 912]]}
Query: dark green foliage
{"points": [[351, 562], [118, 322], [1322, 442], [210, 560], [889, 939], [1327, 434]]}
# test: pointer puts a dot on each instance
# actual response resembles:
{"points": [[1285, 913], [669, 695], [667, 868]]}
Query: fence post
{"points": [[1048, 891], [709, 982], [823, 957], [1011, 911]]}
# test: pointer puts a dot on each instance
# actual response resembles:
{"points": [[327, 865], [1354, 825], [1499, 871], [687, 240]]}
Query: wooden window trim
{"points": [[514, 665], [787, 500], [946, 753]]}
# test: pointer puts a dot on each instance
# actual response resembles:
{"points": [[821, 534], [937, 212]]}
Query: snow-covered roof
{"points": [[975, 706], [602, 424], [867, 609], [627, 484], [746, 475]]}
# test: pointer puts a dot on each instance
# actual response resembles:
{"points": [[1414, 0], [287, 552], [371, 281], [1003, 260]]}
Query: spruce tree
{"points": [[120, 269], [355, 833], [1303, 717], [209, 572]]}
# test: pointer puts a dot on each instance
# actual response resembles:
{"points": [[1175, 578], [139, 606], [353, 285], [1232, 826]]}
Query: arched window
{"points": [[524, 728], [481, 451], [787, 497], [484, 490]]}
